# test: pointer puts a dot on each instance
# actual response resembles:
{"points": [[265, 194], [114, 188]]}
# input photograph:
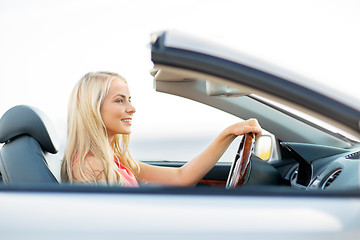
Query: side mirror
{"points": [[263, 147]]}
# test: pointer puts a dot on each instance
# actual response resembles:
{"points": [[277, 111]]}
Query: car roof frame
{"points": [[287, 127], [275, 87]]}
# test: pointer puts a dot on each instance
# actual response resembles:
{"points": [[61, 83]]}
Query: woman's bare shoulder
{"points": [[92, 169]]}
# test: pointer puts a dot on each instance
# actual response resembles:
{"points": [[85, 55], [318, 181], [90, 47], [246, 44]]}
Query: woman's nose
{"points": [[130, 109]]}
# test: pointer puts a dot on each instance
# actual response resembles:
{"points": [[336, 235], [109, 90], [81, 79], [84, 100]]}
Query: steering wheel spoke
{"points": [[239, 168]]}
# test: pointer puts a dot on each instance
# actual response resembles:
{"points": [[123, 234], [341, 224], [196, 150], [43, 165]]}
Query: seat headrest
{"points": [[27, 120]]}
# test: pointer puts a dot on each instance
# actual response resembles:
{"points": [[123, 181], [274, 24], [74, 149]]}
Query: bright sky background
{"points": [[47, 46]]}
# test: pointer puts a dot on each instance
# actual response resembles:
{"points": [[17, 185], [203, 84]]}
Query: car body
{"points": [[318, 197]]}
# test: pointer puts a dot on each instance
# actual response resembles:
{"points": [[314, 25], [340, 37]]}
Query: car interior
{"points": [[303, 155], [306, 153]]}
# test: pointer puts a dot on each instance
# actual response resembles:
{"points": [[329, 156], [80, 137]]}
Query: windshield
{"points": [[307, 118]]}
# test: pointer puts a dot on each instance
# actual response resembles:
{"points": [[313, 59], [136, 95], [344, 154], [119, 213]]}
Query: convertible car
{"points": [[302, 180]]}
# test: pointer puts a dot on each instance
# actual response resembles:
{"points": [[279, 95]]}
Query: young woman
{"points": [[99, 125]]}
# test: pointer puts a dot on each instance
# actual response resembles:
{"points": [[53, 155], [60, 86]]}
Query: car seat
{"points": [[28, 135]]}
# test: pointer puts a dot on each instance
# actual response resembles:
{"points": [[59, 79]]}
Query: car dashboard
{"points": [[323, 168]]}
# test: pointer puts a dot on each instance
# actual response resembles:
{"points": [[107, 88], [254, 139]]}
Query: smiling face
{"points": [[116, 110]]}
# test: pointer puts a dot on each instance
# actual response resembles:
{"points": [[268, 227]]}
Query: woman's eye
{"points": [[119, 100]]}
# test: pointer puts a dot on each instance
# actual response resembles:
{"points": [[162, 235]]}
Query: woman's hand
{"points": [[244, 127]]}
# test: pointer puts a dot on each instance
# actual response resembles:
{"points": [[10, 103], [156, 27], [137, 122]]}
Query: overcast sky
{"points": [[46, 46]]}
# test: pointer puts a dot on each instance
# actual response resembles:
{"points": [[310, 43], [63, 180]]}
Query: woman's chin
{"points": [[125, 132]]}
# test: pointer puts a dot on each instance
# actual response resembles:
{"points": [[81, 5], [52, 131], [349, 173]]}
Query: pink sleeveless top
{"points": [[126, 175]]}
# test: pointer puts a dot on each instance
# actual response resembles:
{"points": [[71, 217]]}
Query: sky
{"points": [[47, 46]]}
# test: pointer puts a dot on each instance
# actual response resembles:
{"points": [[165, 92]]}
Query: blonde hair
{"points": [[86, 132]]}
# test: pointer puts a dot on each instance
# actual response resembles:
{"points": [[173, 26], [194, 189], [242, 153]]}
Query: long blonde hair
{"points": [[86, 132]]}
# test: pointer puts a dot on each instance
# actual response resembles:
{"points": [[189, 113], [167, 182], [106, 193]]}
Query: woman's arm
{"points": [[193, 171]]}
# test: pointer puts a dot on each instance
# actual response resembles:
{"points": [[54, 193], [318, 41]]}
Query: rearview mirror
{"points": [[215, 89]]}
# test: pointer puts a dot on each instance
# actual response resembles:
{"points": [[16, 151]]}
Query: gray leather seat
{"points": [[28, 135]]}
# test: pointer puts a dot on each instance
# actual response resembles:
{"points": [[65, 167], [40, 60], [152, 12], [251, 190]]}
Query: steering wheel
{"points": [[240, 166]]}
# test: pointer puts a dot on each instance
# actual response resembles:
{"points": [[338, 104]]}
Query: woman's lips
{"points": [[127, 120]]}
